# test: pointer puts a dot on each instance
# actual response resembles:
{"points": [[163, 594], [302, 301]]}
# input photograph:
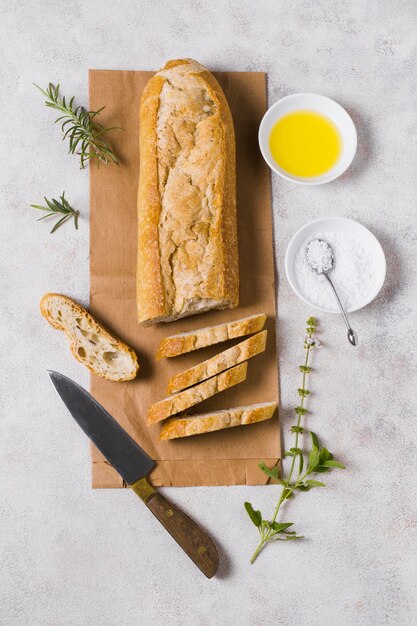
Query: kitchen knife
{"points": [[133, 465]]}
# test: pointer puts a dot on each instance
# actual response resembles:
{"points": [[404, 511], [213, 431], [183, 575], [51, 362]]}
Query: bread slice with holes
{"points": [[190, 397], [91, 344], [223, 361], [210, 335], [187, 426]]}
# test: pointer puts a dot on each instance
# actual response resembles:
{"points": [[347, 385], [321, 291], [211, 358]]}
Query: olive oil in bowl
{"points": [[305, 144]]}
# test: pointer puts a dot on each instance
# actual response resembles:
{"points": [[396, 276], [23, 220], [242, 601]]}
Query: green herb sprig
{"points": [[80, 126], [319, 460], [58, 207]]}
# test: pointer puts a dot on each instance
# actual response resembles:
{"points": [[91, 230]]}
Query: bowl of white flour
{"points": [[359, 265]]}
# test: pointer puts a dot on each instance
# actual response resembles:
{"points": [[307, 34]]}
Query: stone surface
{"points": [[70, 556]]}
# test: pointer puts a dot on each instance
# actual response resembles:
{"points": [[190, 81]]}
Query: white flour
{"points": [[353, 273]]}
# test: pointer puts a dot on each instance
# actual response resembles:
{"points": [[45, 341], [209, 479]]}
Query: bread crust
{"points": [[224, 360], [190, 397], [177, 427], [208, 336], [218, 283], [79, 311]]}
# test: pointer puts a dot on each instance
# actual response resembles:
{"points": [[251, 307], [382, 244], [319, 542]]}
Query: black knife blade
{"points": [[121, 451]]}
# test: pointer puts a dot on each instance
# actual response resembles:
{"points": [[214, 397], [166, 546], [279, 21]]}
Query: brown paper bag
{"points": [[227, 457]]}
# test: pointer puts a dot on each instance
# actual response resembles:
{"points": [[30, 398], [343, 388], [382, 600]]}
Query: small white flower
{"points": [[314, 343]]}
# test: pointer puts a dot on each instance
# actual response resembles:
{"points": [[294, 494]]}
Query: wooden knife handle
{"points": [[192, 539]]}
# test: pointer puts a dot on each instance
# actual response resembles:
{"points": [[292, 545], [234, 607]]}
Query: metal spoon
{"points": [[324, 266]]}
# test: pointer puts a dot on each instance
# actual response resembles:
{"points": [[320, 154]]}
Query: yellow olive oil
{"points": [[305, 143]]}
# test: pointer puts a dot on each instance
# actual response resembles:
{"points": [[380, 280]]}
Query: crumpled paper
{"points": [[228, 457]]}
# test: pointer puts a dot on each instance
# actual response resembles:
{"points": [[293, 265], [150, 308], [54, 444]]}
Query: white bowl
{"points": [[327, 107], [337, 225]]}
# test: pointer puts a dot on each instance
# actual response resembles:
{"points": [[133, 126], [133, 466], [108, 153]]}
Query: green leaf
{"points": [[300, 410], [303, 392], [331, 463], [272, 472], [320, 469], [41, 208], [304, 368], [279, 527], [313, 458], [287, 493], [325, 455], [315, 483], [292, 537], [314, 440], [297, 429], [303, 487], [301, 463], [288, 453], [255, 516]]}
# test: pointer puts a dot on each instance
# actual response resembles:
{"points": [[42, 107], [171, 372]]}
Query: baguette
{"points": [[228, 358], [210, 335], [216, 420], [90, 343], [188, 398], [187, 259]]}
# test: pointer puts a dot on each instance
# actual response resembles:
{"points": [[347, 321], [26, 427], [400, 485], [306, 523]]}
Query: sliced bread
{"points": [[228, 358], [91, 344], [185, 399], [217, 420], [202, 337]]}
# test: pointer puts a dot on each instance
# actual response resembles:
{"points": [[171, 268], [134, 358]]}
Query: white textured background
{"points": [[71, 556]]}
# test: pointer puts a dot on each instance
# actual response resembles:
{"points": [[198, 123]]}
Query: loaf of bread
{"points": [[187, 242], [216, 420], [90, 343], [188, 398], [224, 360], [208, 336]]}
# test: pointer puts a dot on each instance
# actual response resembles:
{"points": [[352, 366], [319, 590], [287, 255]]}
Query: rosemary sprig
{"points": [[319, 460], [58, 207], [80, 126]]}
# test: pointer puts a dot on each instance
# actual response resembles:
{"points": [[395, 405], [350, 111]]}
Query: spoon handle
{"points": [[352, 336]]}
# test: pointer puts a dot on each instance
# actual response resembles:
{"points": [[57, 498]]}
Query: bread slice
{"points": [[90, 343], [228, 358], [202, 337], [185, 399], [216, 420]]}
